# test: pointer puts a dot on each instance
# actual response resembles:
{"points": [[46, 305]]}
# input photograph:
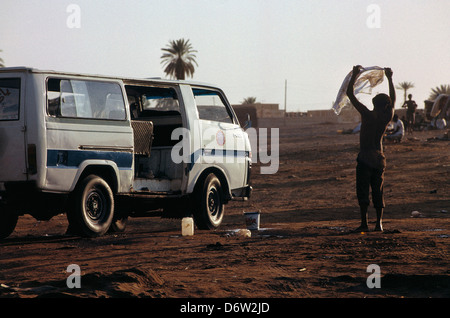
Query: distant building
{"points": [[351, 115], [347, 115], [257, 111]]}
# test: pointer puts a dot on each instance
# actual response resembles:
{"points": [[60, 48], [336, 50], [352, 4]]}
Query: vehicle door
{"points": [[13, 166], [222, 138]]}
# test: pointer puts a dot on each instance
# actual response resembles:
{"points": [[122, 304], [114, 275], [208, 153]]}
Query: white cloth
{"points": [[367, 79]]}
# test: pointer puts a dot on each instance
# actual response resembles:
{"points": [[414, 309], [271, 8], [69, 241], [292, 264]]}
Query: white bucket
{"points": [[252, 220], [187, 227]]}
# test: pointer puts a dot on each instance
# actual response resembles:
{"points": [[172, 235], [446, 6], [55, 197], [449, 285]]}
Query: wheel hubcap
{"points": [[213, 203], [95, 205]]}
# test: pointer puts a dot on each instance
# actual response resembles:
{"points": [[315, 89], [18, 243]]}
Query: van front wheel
{"points": [[209, 203], [92, 207]]}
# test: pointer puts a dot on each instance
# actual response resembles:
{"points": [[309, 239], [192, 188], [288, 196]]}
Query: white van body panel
{"points": [[70, 145]]}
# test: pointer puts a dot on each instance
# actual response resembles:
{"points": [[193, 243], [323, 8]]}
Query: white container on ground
{"points": [[252, 220], [187, 226]]}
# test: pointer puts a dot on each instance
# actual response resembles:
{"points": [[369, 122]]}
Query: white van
{"points": [[103, 149]]}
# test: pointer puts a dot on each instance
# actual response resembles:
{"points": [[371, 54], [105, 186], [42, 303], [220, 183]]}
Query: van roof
{"points": [[16, 69]]}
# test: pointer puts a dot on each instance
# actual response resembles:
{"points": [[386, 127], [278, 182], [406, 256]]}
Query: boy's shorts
{"points": [[366, 178]]}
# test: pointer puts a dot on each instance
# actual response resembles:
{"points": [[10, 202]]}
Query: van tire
{"points": [[91, 208], [209, 204], [8, 222]]}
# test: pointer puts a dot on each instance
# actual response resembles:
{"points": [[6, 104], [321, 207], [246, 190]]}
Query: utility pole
{"points": [[285, 100]]}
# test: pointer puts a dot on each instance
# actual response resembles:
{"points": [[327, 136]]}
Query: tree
{"points": [[179, 59], [405, 86], [435, 92], [249, 101], [1, 61]]}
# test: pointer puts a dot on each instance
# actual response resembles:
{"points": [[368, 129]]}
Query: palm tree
{"points": [[179, 59], [249, 101], [405, 86], [1, 61], [443, 89]]}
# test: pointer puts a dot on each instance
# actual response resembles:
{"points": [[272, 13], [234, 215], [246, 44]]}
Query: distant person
{"points": [[352, 131], [411, 107], [371, 161], [398, 130]]}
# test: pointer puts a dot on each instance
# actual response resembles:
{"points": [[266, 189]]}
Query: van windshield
{"points": [[9, 98]]}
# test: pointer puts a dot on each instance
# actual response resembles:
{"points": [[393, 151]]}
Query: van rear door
{"points": [[12, 127]]}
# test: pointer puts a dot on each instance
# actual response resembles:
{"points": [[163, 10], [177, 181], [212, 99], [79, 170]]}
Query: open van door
{"points": [[13, 165]]}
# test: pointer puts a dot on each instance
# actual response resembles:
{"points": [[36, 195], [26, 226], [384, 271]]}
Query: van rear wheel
{"points": [[209, 203], [92, 207]]}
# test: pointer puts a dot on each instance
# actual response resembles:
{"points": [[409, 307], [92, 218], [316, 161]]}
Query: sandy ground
{"points": [[305, 247]]}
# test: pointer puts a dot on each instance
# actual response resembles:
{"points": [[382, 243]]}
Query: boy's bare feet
{"points": [[378, 228], [362, 228]]}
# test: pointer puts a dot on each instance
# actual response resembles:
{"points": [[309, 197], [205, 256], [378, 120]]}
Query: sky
{"points": [[289, 52]]}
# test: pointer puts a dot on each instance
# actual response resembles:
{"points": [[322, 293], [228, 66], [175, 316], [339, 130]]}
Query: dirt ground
{"points": [[305, 247]]}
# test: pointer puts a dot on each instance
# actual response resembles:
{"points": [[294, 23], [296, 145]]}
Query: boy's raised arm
{"points": [[351, 96], [388, 73]]}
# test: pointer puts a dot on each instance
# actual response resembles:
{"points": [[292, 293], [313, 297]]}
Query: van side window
{"points": [[211, 106], [162, 99], [9, 98], [85, 99]]}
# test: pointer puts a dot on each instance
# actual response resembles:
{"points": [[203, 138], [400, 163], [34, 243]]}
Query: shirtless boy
{"points": [[371, 161]]}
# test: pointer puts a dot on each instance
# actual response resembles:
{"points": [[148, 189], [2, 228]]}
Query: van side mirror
{"points": [[248, 122]]}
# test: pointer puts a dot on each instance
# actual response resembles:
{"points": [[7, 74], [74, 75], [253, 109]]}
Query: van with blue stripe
{"points": [[104, 149]]}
